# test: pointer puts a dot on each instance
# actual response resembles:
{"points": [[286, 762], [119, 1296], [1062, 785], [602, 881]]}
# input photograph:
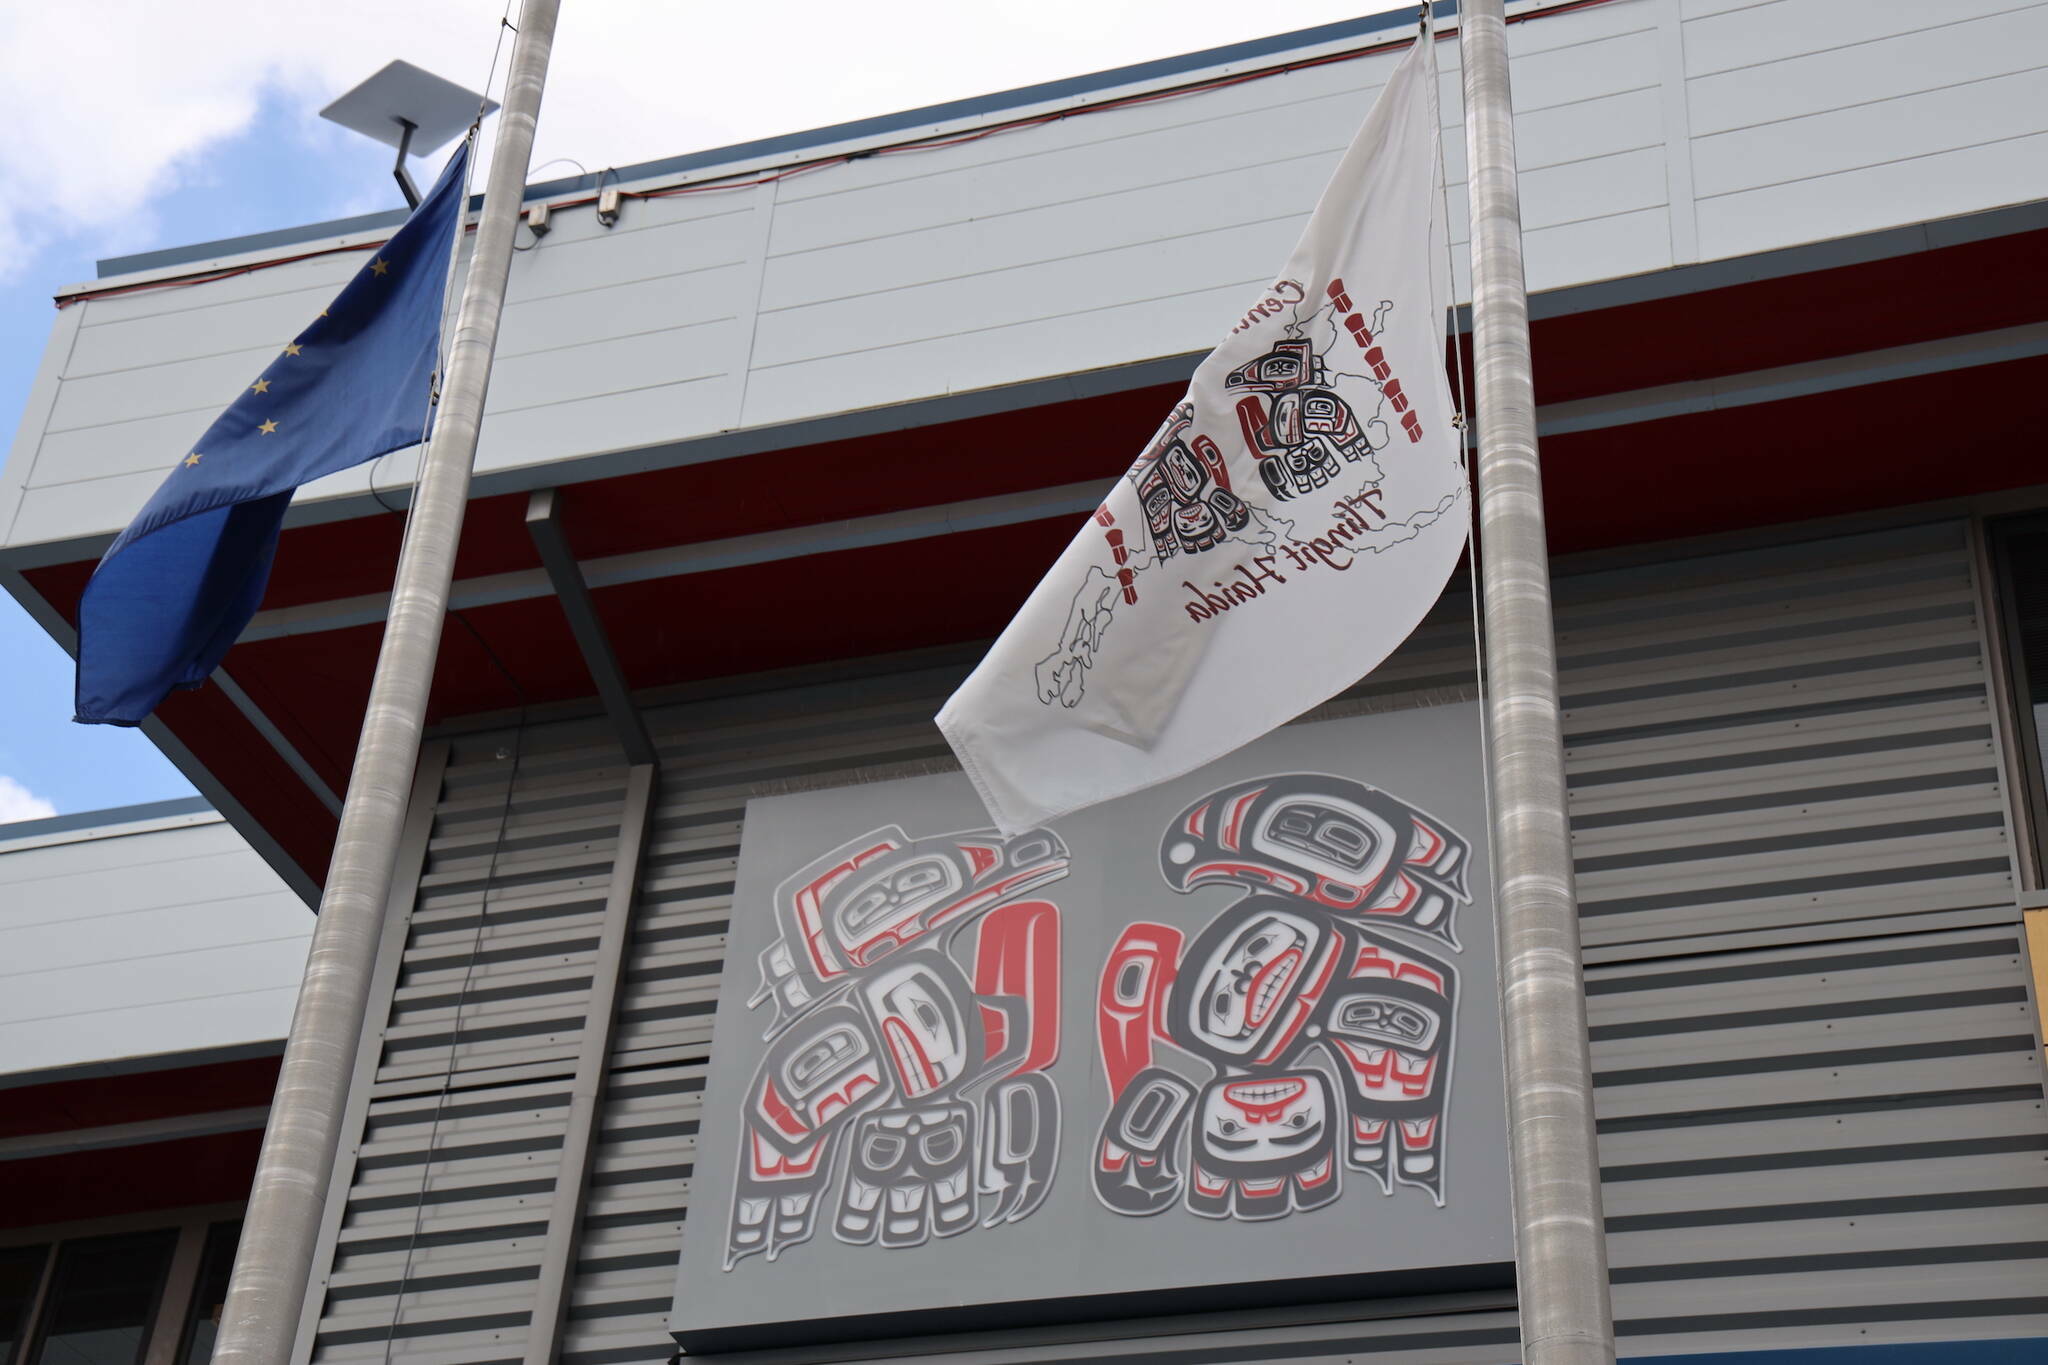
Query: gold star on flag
{"points": [[268, 428], [192, 459], [291, 348], [379, 266], [260, 386]]}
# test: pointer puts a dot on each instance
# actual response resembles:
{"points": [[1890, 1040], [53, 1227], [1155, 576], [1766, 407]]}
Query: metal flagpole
{"points": [[1560, 1244], [274, 1262]]}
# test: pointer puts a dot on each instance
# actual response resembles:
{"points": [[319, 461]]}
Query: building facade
{"points": [[148, 964], [812, 415]]}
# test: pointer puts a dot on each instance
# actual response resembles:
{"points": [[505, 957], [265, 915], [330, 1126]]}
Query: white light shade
{"points": [[437, 109]]}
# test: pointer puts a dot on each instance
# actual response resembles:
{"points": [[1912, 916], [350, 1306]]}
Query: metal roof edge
{"points": [[977, 106], [154, 1061], [107, 823], [1593, 295]]}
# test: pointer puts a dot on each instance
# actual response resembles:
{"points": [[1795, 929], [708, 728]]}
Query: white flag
{"points": [[1293, 520]]}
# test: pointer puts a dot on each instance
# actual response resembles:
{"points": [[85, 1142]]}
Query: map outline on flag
{"points": [[1188, 498]]}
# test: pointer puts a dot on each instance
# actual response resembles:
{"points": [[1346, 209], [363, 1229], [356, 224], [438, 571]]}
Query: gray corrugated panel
{"points": [[445, 1220], [1828, 1137], [1820, 1098], [501, 984], [1781, 739]]}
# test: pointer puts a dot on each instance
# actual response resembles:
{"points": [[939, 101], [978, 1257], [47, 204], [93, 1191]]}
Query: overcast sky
{"points": [[135, 124]]}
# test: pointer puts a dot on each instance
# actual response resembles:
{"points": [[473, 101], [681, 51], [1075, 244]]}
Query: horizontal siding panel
{"points": [[678, 355], [1884, 131], [84, 895], [113, 343], [126, 945], [1945, 185], [635, 310], [1824, 1141], [1844, 76], [326, 273], [1207, 251], [986, 240], [1092, 336], [52, 994], [1593, 249], [188, 384], [1819, 1194], [1792, 29], [1876, 1234], [628, 418], [656, 239], [118, 847], [78, 508]]}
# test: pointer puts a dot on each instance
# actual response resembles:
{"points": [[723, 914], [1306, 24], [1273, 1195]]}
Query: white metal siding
{"points": [[1098, 241], [1821, 1108], [172, 937]]}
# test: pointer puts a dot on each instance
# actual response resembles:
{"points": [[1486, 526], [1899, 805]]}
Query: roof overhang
{"points": [[1896, 369]]}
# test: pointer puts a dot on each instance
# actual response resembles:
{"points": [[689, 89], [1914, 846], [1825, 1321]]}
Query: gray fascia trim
{"points": [[107, 821], [565, 575], [132, 1134], [1835, 252], [1581, 415], [704, 556], [1762, 386], [922, 120], [210, 788], [274, 737], [131, 1066]]}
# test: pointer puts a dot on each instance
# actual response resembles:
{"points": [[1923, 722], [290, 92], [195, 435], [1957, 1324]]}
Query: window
{"points": [[103, 1297], [2020, 555], [21, 1274], [106, 1298], [202, 1325]]}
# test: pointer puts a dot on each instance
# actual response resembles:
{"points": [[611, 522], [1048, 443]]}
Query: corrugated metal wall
{"points": [[1820, 1101]]}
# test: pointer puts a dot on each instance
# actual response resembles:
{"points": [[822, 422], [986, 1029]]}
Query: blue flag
{"points": [[176, 588]]}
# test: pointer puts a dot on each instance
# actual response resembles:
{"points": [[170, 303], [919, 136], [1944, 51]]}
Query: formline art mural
{"points": [[914, 1009], [1306, 1040], [910, 1003]]}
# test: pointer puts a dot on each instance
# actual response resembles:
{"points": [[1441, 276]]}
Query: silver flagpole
{"points": [[274, 1262], [1560, 1244]]}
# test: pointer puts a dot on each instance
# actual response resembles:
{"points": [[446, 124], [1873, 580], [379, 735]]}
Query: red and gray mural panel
{"points": [[1205, 1034]]}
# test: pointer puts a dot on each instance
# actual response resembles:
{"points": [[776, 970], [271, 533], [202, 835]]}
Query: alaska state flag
{"points": [[182, 581]]}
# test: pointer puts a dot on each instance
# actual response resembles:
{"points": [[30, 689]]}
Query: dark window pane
{"points": [[21, 1270], [2023, 587], [202, 1325], [103, 1299]]}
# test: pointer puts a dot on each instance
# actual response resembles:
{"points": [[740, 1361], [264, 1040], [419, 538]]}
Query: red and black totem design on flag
{"points": [[914, 997], [1298, 426], [1183, 486], [1300, 1036]]}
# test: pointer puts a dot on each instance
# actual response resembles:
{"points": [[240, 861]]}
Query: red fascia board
{"points": [[226, 744], [1793, 460], [182, 1173], [136, 1097], [1952, 434], [1806, 457], [1711, 334]]}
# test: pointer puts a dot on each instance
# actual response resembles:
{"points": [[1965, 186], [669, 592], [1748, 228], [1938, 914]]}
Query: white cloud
{"points": [[19, 803], [111, 103]]}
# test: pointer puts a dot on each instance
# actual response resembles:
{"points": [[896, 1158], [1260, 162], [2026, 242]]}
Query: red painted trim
{"points": [[1907, 442], [136, 1097], [122, 1180]]}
